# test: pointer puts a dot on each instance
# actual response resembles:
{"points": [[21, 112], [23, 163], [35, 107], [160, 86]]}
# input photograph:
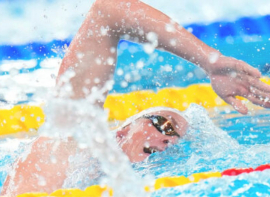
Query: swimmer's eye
{"points": [[162, 125]]}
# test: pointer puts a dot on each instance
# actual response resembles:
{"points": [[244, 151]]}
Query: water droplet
{"points": [[96, 80], [37, 167], [139, 64], [148, 48], [169, 28], [98, 61], [124, 84], [110, 61], [112, 49], [80, 55], [119, 72], [151, 36], [213, 57], [41, 181], [173, 42]]}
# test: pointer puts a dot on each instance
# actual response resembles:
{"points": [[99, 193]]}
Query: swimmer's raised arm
{"points": [[92, 53]]}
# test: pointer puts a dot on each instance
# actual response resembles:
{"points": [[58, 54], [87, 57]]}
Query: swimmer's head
{"points": [[150, 131]]}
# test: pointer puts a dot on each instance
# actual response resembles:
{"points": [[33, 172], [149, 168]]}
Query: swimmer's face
{"points": [[151, 133]]}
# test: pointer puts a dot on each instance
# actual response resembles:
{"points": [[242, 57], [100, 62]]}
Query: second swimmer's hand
{"points": [[231, 77]]}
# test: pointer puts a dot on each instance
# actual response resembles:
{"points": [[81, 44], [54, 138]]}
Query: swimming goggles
{"points": [[163, 125]]}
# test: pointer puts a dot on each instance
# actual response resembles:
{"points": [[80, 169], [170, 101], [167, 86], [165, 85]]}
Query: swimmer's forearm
{"points": [[137, 20], [92, 53]]}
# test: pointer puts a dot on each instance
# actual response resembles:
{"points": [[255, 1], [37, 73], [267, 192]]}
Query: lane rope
{"points": [[121, 106], [27, 118], [164, 182]]}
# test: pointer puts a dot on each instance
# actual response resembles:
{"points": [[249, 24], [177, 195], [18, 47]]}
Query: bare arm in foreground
{"points": [[92, 53], [42, 170]]}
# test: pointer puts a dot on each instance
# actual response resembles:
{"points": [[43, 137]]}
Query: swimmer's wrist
{"points": [[209, 61]]}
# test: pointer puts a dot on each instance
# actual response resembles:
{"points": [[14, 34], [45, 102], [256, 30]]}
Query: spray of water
{"points": [[204, 148], [208, 148], [87, 124]]}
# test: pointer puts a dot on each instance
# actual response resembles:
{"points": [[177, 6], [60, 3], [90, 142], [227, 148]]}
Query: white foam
{"points": [[208, 11], [43, 77], [8, 65]]}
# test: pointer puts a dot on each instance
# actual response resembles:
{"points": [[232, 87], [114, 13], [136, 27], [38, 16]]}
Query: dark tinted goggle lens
{"points": [[162, 125]]}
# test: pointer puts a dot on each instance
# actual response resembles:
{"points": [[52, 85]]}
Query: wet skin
{"points": [[140, 138], [133, 139]]}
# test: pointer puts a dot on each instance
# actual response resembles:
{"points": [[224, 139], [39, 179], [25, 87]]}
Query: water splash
{"points": [[253, 184], [204, 148], [208, 148], [88, 125], [10, 149]]}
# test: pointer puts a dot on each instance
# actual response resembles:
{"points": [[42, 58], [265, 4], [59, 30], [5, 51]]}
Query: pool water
{"points": [[215, 141], [10, 149], [249, 130], [243, 142]]}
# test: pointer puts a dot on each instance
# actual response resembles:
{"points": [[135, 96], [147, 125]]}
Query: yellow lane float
{"points": [[99, 191], [21, 118], [121, 106], [25, 118]]}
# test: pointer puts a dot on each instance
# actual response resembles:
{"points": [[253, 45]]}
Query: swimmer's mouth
{"points": [[150, 150]]}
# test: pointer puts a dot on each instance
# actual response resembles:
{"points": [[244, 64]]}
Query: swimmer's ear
{"points": [[122, 132]]}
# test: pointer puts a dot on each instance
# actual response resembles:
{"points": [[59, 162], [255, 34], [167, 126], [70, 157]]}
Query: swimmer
{"points": [[92, 55], [45, 168]]}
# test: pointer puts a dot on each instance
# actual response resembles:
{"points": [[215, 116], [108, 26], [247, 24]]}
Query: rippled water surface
{"points": [[243, 142], [225, 140], [215, 142]]}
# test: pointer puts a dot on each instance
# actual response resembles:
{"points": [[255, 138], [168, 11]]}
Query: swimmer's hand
{"points": [[231, 77]]}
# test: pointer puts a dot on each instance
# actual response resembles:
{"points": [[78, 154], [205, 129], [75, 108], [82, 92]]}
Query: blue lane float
{"points": [[214, 32]]}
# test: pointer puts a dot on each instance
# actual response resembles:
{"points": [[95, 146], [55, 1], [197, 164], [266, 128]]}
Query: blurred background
{"points": [[35, 35]]}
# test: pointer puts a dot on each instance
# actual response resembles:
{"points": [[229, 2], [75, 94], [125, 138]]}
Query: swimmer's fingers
{"points": [[237, 104], [256, 83], [246, 68], [258, 94], [238, 66], [263, 102]]}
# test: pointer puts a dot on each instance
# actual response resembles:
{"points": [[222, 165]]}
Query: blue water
{"points": [[251, 134], [246, 39], [249, 130], [244, 142], [9, 153]]}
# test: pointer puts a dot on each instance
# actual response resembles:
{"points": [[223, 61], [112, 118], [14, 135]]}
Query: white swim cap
{"points": [[152, 110]]}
